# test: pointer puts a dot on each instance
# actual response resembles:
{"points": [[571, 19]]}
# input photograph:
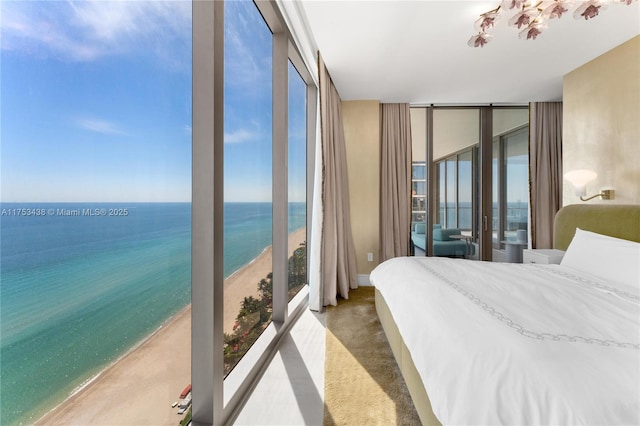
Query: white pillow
{"points": [[612, 259]]}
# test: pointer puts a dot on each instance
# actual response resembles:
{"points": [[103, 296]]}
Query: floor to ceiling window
{"points": [[247, 179], [96, 200], [95, 254], [254, 215]]}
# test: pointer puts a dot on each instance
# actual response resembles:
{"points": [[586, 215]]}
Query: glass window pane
{"points": [[95, 251], [247, 179], [418, 172], [418, 178], [442, 195], [452, 192], [418, 207], [511, 173], [456, 131], [297, 182], [465, 191], [517, 175]]}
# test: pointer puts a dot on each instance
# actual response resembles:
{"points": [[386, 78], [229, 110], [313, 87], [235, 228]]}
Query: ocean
{"points": [[81, 284]]}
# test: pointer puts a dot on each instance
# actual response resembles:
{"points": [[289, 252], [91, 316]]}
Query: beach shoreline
{"points": [[140, 386]]}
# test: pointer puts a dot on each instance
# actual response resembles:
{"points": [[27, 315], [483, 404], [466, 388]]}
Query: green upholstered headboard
{"points": [[617, 220]]}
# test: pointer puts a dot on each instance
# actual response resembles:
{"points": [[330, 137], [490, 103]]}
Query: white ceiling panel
{"points": [[416, 51]]}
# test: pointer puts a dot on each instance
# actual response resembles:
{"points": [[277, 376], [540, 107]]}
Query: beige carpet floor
{"points": [[363, 384]]}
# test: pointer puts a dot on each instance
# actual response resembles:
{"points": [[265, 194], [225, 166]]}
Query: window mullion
{"points": [[207, 270], [280, 171]]}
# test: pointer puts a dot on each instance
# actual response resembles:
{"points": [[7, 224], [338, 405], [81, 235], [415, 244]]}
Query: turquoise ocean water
{"points": [[78, 290]]}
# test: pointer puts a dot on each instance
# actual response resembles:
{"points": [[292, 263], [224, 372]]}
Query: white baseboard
{"points": [[363, 280]]}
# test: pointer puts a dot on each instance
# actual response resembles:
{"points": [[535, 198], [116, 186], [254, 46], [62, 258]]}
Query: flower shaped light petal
{"points": [[556, 9], [589, 10], [515, 4], [524, 18], [479, 40], [486, 21], [532, 31]]}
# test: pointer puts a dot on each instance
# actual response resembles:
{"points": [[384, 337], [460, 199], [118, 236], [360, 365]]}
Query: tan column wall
{"points": [[361, 120]]}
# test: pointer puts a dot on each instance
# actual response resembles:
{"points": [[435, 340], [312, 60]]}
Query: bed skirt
{"points": [[405, 362]]}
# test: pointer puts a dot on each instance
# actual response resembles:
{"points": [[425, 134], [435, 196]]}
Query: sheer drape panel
{"points": [[545, 169], [395, 180], [338, 252]]}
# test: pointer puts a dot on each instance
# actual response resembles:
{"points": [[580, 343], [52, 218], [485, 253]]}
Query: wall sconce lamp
{"points": [[580, 178]]}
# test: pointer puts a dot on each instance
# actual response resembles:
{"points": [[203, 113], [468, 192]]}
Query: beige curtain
{"points": [[545, 169], [338, 252], [395, 180]]}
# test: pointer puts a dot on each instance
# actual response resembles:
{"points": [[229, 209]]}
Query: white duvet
{"points": [[517, 344]]}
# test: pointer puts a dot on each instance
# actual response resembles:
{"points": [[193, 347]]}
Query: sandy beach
{"points": [[139, 388]]}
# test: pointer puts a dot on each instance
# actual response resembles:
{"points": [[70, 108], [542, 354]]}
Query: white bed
{"points": [[491, 343]]}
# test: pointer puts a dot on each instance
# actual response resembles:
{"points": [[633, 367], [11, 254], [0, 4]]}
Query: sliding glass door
{"points": [[456, 134], [453, 191]]}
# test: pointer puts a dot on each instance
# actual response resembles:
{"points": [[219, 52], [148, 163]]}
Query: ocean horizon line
{"points": [[137, 202]]}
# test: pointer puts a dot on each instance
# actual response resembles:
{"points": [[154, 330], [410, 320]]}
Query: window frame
{"points": [[217, 400]]}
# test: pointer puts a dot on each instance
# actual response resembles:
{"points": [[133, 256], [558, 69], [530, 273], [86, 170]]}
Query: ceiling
{"points": [[416, 51]]}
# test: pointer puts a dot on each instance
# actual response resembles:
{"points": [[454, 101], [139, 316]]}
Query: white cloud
{"points": [[87, 30], [98, 126], [247, 62], [239, 136]]}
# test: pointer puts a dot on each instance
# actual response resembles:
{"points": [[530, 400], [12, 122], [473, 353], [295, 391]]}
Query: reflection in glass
{"points": [[465, 191], [455, 137], [517, 185], [510, 174], [451, 203], [441, 192]]}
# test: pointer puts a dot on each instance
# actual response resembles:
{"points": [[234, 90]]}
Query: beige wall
{"points": [[361, 121], [418, 134], [601, 129]]}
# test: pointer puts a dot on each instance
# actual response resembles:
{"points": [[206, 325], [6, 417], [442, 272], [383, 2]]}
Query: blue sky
{"points": [[248, 85], [96, 102]]}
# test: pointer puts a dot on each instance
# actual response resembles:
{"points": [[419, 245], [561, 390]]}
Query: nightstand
{"points": [[542, 256]]}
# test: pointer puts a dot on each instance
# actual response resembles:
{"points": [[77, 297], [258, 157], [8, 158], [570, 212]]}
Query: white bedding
{"points": [[517, 344]]}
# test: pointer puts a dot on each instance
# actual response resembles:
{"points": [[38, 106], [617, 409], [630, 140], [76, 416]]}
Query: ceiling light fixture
{"points": [[531, 16]]}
